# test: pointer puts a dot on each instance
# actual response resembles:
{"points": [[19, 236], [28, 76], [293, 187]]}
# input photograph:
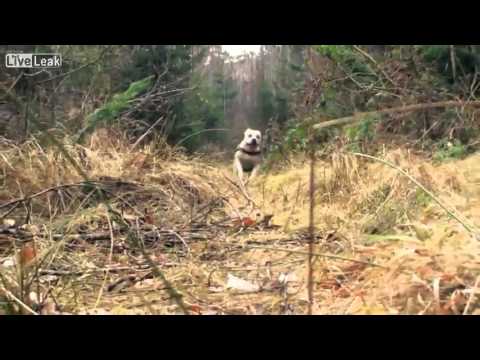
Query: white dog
{"points": [[248, 156]]}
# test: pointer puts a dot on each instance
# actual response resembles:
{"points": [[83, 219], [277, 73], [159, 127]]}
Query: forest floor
{"points": [[165, 225]]}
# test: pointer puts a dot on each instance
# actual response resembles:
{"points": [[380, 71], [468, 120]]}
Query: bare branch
{"points": [[77, 69], [403, 109], [369, 57]]}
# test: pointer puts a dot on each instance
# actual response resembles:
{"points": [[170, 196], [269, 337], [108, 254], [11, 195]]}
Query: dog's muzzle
{"points": [[253, 142]]}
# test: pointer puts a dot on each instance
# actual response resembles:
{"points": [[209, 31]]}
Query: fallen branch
{"points": [[97, 184], [151, 235], [402, 109], [27, 198], [93, 271]]}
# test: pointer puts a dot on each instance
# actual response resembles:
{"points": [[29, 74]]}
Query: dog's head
{"points": [[252, 137]]}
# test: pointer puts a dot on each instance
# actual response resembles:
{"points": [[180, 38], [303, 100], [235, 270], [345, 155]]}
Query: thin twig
{"points": [[181, 239], [369, 57], [311, 230], [242, 190], [110, 255], [27, 198], [9, 211], [237, 213], [174, 294], [18, 301], [94, 271], [197, 133], [328, 256], [472, 295], [77, 69], [15, 82], [146, 133]]}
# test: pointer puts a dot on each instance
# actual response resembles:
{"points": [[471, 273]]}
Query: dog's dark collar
{"points": [[249, 152]]}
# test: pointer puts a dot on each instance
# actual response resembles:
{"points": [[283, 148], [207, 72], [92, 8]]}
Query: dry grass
{"points": [[367, 210], [157, 207]]}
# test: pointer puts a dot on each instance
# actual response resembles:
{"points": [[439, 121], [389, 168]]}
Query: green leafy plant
{"points": [[361, 133], [448, 151], [421, 198], [336, 52], [296, 138], [345, 55]]}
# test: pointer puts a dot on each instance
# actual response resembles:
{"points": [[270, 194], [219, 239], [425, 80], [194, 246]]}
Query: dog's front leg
{"points": [[239, 170], [254, 172]]}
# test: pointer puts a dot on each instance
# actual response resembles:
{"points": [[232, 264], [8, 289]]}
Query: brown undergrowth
{"points": [[156, 232]]}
